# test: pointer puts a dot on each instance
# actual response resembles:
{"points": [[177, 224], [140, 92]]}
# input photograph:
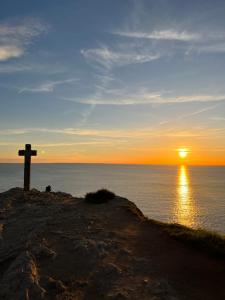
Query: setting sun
{"points": [[183, 153]]}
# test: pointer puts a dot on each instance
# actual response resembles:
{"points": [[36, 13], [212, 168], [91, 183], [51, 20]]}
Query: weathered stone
{"points": [[56, 247], [21, 280]]}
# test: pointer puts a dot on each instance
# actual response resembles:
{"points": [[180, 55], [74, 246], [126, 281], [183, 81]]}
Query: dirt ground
{"points": [[54, 246]]}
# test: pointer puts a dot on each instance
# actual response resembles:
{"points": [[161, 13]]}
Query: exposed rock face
{"points": [[54, 246]]}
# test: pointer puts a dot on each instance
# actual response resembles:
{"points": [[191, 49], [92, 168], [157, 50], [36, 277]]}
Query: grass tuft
{"points": [[207, 241], [101, 196]]}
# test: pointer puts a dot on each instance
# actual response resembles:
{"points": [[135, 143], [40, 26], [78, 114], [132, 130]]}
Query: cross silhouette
{"points": [[27, 153]]}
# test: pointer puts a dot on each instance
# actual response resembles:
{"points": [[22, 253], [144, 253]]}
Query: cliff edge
{"points": [[55, 246]]}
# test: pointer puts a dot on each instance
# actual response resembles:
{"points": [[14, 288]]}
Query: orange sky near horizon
{"points": [[119, 147], [117, 156]]}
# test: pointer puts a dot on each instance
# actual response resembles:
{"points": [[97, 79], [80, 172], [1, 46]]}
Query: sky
{"points": [[113, 81]]}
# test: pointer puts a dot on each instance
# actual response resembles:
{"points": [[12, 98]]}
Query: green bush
{"points": [[101, 196]]}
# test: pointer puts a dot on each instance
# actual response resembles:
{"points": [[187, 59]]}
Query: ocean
{"points": [[189, 195]]}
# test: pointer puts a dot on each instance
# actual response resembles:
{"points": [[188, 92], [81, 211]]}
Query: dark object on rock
{"points": [[48, 188], [101, 196]]}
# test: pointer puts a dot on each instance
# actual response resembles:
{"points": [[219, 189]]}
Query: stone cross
{"points": [[27, 153]]}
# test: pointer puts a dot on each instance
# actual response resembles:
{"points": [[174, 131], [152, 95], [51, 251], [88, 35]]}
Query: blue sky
{"points": [[113, 81]]}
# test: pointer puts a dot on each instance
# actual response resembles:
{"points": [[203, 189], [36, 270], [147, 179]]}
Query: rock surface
{"points": [[54, 246]]}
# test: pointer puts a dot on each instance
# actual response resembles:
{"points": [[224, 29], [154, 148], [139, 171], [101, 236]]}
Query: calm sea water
{"points": [[193, 196]]}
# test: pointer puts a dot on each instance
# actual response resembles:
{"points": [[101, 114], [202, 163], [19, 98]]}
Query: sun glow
{"points": [[182, 153], [185, 210]]}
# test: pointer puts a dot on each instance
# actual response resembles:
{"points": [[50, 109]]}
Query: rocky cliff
{"points": [[55, 246]]}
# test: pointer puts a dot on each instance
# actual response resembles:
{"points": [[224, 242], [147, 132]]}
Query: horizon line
{"points": [[132, 164]]}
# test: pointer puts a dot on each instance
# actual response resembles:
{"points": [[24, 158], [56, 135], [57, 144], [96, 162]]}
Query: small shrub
{"points": [[101, 196]]}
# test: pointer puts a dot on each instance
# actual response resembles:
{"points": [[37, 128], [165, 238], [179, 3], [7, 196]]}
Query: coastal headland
{"points": [[55, 246]]}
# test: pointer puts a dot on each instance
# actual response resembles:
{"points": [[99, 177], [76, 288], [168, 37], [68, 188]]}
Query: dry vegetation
{"points": [[210, 242]]}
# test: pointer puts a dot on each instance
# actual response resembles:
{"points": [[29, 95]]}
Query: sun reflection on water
{"points": [[185, 211]]}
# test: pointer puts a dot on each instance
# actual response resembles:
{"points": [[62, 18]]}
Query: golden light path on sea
{"points": [[185, 210]]}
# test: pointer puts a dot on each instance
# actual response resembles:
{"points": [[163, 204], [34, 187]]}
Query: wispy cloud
{"points": [[47, 87], [6, 144], [143, 96], [169, 34], [76, 132], [11, 68], [198, 112], [211, 47], [10, 51], [138, 47], [196, 98], [86, 114], [95, 135], [202, 40], [109, 58], [85, 143], [13, 131], [16, 36], [62, 144], [24, 30]]}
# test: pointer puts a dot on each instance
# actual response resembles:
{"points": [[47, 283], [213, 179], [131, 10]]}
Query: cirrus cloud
{"points": [[109, 58], [10, 51], [16, 36], [169, 34]]}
